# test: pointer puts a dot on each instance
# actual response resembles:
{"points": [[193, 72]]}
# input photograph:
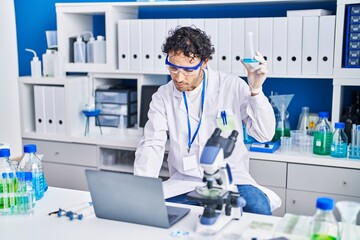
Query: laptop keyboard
{"points": [[171, 217]]}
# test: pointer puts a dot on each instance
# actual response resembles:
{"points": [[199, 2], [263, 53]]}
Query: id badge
{"points": [[189, 162], [226, 120]]}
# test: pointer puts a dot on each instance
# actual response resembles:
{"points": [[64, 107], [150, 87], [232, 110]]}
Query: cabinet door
{"points": [[65, 176], [66, 153], [333, 180], [304, 203], [268, 173], [281, 192]]}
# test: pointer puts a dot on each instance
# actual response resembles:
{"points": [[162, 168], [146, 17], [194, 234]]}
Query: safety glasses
{"points": [[187, 71]]}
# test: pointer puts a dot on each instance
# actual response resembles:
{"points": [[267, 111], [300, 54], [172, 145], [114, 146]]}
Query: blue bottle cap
{"points": [[29, 148], [28, 176], [4, 152], [4, 175], [340, 125], [323, 114], [325, 203]]}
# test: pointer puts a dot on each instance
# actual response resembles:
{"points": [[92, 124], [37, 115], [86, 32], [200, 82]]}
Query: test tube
{"points": [[87, 211], [11, 190], [357, 141], [249, 53], [353, 135], [5, 191]]}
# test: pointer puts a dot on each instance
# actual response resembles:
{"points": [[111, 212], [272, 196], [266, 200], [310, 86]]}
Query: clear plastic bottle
{"points": [[31, 164], [303, 123], [340, 141], [100, 50], [7, 184], [48, 63], [79, 50], [324, 225], [322, 135]]}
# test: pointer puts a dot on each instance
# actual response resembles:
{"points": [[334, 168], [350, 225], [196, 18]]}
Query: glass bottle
{"points": [[349, 118], [8, 184], [324, 225], [356, 105], [340, 141], [30, 164], [322, 135], [303, 123]]}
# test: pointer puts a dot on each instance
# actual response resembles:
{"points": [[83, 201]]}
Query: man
{"points": [[189, 108]]}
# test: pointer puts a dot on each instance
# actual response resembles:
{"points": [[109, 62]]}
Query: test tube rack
{"points": [[16, 204], [354, 151]]}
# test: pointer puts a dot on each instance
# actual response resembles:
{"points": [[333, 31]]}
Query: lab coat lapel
{"points": [[212, 90]]}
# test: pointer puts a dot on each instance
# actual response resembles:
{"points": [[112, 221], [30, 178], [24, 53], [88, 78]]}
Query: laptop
{"points": [[129, 198]]}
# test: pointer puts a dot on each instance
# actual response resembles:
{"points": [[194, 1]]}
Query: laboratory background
{"points": [[79, 76]]}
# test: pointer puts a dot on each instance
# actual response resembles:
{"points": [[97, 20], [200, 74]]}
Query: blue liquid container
{"points": [[30, 164], [340, 141]]}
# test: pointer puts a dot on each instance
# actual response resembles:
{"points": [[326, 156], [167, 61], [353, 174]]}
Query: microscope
{"points": [[220, 194]]}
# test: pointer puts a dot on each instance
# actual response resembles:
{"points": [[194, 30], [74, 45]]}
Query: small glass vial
{"points": [[340, 141], [324, 224]]}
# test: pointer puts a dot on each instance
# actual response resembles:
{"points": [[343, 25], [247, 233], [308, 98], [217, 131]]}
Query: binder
{"points": [[124, 45], [211, 29], [280, 46], [59, 93], [294, 53], [50, 117], [310, 45], [147, 53], [326, 45], [198, 23], [184, 22], [159, 40], [39, 104], [171, 25], [224, 44], [237, 45], [266, 41], [135, 44]]}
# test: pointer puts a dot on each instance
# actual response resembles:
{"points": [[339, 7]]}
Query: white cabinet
{"points": [[272, 175]]}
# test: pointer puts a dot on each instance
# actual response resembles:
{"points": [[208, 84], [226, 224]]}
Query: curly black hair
{"points": [[191, 41]]}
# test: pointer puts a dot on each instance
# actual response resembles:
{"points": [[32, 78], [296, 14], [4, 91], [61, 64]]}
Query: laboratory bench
{"points": [[41, 226]]}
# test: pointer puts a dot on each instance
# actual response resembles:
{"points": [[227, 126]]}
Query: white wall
{"points": [[9, 93]]}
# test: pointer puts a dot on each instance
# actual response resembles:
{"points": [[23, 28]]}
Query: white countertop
{"points": [[40, 226]]}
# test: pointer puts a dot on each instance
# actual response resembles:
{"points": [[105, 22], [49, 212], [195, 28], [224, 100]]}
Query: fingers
{"points": [[260, 58], [260, 69]]}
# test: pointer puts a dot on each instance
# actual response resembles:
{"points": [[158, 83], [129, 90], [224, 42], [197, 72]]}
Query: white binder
{"points": [[50, 110], [39, 103], [294, 53], [59, 93], [280, 46], [310, 45], [159, 40], [266, 41], [237, 45], [147, 53], [211, 29], [184, 22], [135, 44], [224, 44], [124, 45], [326, 45], [198, 23], [171, 25]]}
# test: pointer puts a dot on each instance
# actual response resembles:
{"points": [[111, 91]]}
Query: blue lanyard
{"points": [[191, 140]]}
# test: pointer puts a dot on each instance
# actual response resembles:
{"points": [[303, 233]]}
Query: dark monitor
{"points": [[146, 95]]}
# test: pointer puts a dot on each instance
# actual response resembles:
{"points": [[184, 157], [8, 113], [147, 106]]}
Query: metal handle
{"points": [[293, 201], [345, 182]]}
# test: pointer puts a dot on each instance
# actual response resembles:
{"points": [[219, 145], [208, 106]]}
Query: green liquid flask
{"points": [[323, 135]]}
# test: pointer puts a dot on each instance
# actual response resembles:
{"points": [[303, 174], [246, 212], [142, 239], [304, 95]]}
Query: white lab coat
{"points": [[168, 118]]}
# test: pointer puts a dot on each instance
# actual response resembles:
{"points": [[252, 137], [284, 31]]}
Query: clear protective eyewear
{"points": [[187, 71]]}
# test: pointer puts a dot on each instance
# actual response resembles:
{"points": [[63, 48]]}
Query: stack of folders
{"points": [[118, 107], [352, 37], [49, 104], [299, 45]]}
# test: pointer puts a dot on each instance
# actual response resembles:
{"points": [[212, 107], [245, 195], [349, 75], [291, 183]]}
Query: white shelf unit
{"points": [[342, 76], [78, 17]]}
